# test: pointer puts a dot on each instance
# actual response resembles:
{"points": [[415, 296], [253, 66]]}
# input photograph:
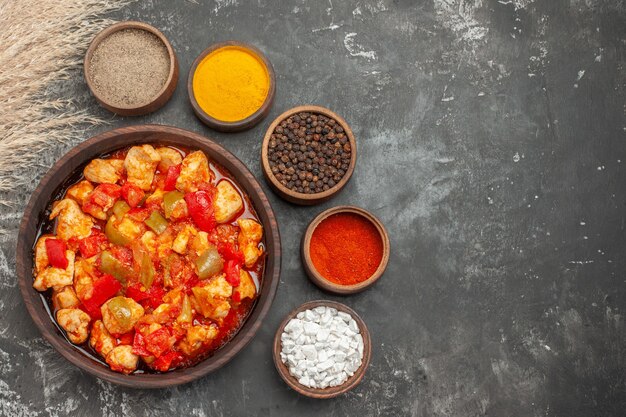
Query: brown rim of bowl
{"points": [[160, 98], [249, 121], [330, 286], [301, 198], [75, 160], [330, 392]]}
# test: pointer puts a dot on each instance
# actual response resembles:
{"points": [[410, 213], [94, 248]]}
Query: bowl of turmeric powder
{"points": [[231, 86]]}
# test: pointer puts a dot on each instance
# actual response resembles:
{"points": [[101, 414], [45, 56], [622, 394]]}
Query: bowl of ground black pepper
{"points": [[308, 154], [345, 250], [131, 68]]}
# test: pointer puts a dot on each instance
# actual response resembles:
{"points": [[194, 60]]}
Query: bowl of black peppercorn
{"points": [[308, 154]]}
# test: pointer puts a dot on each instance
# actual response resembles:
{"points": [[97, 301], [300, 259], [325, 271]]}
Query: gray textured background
{"points": [[492, 144]]}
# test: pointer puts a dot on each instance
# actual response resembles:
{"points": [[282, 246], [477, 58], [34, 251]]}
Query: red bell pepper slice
{"points": [[173, 173], [164, 362], [232, 273], [93, 244], [139, 345], [132, 194], [158, 342], [103, 289], [136, 293], [55, 249], [236, 296], [200, 206]]}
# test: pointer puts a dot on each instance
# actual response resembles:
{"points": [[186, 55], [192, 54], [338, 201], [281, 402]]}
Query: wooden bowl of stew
{"points": [[65, 172]]}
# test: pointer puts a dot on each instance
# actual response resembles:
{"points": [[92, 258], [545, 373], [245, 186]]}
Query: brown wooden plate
{"points": [[76, 159], [330, 286], [330, 392], [162, 96], [294, 196], [249, 121]]}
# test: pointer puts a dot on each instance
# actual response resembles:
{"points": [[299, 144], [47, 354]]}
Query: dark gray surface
{"points": [[491, 140]]}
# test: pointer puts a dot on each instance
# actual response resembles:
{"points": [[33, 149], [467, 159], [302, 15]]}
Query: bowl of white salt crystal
{"points": [[322, 349]]}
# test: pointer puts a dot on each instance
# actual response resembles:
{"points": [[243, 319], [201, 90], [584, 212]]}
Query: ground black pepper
{"points": [[309, 153]]}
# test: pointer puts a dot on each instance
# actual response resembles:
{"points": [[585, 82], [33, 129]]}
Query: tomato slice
{"points": [[200, 207], [232, 273], [158, 342], [132, 194], [93, 244], [164, 362], [139, 345]]}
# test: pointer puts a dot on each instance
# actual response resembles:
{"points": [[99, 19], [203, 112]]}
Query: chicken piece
{"points": [[180, 243], [194, 171], [56, 278], [104, 170], [100, 339], [120, 314], [140, 163], [41, 254], [227, 202], [174, 297], [75, 322], [149, 242], [65, 298], [246, 288], [71, 221], [250, 235], [80, 191], [128, 227], [165, 313], [164, 243], [84, 276], [122, 359], [169, 157], [196, 337], [200, 243], [170, 308], [211, 296], [155, 199]]}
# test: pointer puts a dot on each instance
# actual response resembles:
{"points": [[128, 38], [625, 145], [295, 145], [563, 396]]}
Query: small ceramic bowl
{"points": [[293, 196], [330, 392], [249, 121], [162, 96], [330, 286]]}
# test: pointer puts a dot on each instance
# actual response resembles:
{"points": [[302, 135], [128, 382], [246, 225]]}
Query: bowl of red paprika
{"points": [[345, 250]]}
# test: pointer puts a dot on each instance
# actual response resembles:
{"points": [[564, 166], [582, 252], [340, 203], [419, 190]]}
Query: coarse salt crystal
{"points": [[322, 347]]}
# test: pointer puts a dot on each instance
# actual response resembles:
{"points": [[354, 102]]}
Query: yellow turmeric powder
{"points": [[231, 83]]}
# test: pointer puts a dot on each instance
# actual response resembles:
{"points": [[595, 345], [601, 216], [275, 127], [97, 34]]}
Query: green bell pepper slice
{"points": [[156, 222]]}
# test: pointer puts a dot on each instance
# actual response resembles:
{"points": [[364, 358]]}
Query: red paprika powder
{"points": [[346, 248]]}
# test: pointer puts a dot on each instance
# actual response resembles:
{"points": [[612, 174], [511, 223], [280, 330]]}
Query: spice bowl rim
{"points": [[317, 278], [294, 196], [159, 99], [104, 143], [254, 118], [329, 392]]}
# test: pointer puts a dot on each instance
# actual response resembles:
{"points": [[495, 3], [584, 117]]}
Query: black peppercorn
{"points": [[309, 153]]}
